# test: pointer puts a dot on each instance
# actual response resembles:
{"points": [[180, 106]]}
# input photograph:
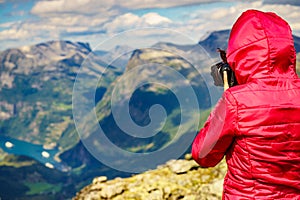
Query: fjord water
{"points": [[37, 152]]}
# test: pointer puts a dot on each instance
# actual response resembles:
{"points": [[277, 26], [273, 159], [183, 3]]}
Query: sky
{"points": [[104, 24]]}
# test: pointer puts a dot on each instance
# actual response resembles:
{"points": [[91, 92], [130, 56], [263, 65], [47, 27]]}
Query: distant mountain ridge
{"points": [[219, 39], [216, 39]]}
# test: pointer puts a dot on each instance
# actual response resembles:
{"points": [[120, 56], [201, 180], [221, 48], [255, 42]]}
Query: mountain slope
{"points": [[36, 89], [156, 69], [36, 121], [36, 85]]}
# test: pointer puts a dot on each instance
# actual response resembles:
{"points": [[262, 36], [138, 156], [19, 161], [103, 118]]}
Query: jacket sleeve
{"points": [[213, 140]]}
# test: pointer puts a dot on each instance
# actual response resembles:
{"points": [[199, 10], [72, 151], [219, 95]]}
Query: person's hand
{"points": [[222, 73]]}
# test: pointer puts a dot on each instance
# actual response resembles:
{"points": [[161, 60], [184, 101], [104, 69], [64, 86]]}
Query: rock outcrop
{"points": [[177, 179]]}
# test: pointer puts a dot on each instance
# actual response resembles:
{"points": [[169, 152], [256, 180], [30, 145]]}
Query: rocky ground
{"points": [[177, 179]]}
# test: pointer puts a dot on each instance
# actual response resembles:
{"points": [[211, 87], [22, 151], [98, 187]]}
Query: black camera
{"points": [[217, 71]]}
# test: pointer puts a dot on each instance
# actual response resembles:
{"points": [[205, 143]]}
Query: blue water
{"points": [[31, 150]]}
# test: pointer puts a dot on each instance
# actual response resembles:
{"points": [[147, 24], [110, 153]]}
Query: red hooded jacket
{"points": [[256, 124]]}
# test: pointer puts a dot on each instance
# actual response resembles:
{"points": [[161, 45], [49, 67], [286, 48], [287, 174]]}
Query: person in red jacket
{"points": [[256, 124]]}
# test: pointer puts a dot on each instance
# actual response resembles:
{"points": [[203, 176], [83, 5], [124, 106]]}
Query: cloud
{"points": [[49, 28], [14, 34], [126, 21], [136, 4], [155, 19], [223, 18], [7, 24], [20, 31], [96, 6], [43, 8], [130, 21], [291, 2], [65, 21]]}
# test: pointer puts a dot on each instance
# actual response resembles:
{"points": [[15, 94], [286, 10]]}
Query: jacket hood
{"points": [[261, 46]]}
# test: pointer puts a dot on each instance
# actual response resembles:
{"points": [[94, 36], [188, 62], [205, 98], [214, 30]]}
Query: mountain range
{"points": [[42, 155]]}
